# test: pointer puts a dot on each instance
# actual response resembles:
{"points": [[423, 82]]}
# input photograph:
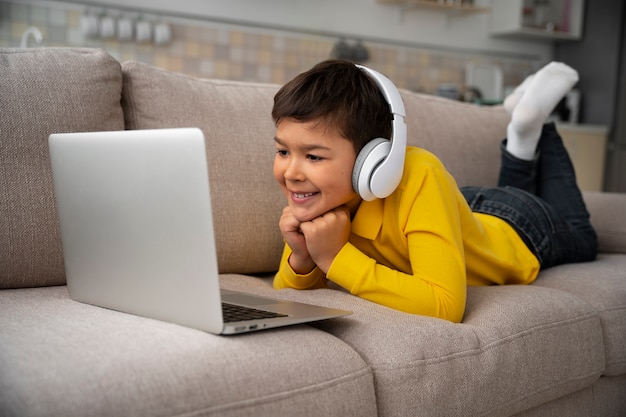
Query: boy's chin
{"points": [[305, 216]]}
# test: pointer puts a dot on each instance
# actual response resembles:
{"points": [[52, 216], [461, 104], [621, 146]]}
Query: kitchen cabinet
{"points": [[548, 19], [586, 145]]}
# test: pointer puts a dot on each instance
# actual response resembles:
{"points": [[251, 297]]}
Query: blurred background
{"points": [[471, 50]]}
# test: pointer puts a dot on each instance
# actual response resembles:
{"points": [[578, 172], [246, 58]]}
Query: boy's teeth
{"points": [[303, 195]]}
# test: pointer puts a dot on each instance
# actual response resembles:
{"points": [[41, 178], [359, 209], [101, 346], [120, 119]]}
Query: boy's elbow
{"points": [[279, 282], [456, 307], [448, 309], [455, 315], [451, 307]]}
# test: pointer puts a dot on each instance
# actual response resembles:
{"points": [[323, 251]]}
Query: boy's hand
{"points": [[300, 260], [325, 236]]}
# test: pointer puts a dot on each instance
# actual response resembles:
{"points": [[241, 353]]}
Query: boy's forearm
{"points": [[364, 277]]}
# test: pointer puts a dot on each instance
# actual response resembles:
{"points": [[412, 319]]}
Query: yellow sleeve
{"points": [[287, 278], [425, 220]]}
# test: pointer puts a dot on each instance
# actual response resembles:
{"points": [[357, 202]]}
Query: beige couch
{"points": [[554, 348]]}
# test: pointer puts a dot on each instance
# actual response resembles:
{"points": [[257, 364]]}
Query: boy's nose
{"points": [[293, 172]]}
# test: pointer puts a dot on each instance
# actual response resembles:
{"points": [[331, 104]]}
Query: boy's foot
{"points": [[510, 102], [543, 92]]}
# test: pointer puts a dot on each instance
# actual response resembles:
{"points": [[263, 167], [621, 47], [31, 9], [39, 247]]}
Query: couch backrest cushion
{"points": [[44, 91], [236, 121], [235, 118], [466, 137]]}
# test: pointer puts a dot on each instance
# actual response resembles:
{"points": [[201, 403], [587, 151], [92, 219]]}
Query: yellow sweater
{"points": [[417, 249]]}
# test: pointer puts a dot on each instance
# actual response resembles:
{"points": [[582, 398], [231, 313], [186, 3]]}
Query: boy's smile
{"points": [[313, 166]]}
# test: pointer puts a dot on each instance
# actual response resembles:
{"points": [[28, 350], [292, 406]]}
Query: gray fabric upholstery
{"points": [[44, 91], [505, 357], [243, 152], [602, 284], [604, 398], [85, 360], [607, 217], [236, 121], [465, 137]]}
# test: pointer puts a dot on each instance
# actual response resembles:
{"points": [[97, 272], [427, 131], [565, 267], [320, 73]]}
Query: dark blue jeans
{"points": [[541, 200]]}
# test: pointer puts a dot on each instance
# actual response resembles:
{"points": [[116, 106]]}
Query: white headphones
{"points": [[379, 166]]}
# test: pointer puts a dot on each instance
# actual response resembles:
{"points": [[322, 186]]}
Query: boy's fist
{"points": [[326, 235]]}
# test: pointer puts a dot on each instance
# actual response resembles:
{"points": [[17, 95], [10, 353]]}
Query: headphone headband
{"points": [[389, 90], [379, 166]]}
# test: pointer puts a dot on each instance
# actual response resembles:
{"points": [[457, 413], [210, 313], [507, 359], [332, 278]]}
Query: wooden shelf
{"points": [[562, 20], [435, 5], [528, 32]]}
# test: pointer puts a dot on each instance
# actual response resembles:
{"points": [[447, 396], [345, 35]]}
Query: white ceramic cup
{"points": [[107, 27], [90, 25], [125, 28], [143, 31], [162, 33]]}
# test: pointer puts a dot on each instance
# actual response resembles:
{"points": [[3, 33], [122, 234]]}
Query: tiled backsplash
{"points": [[212, 50]]}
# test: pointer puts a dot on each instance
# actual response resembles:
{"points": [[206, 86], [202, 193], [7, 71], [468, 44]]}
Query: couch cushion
{"points": [[466, 137], [63, 358], [518, 347], [236, 121], [608, 217], [604, 398], [43, 91], [235, 118], [602, 284]]}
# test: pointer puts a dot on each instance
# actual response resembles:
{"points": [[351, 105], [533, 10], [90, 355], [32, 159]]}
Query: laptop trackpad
{"points": [[246, 299]]}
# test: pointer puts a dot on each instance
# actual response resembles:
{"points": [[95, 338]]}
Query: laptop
{"points": [[137, 232]]}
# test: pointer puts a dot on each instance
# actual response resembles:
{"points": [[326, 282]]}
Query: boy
{"points": [[418, 248]]}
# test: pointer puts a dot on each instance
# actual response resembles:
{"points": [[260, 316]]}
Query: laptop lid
{"points": [[137, 231]]}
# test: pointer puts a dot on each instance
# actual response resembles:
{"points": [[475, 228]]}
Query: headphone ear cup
{"points": [[370, 157]]}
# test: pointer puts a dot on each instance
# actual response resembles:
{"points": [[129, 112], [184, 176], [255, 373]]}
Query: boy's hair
{"points": [[340, 95]]}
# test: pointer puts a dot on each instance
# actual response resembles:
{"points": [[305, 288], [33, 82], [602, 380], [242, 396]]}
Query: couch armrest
{"points": [[608, 216]]}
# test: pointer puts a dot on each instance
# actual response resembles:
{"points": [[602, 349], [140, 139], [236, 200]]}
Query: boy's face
{"points": [[313, 166]]}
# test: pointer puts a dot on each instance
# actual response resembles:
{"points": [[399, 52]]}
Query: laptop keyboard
{"points": [[232, 312]]}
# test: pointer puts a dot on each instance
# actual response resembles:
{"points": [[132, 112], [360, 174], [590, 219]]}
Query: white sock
{"points": [[512, 99], [543, 92]]}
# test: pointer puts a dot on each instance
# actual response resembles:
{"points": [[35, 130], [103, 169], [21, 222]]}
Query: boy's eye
{"points": [[314, 157], [281, 152]]}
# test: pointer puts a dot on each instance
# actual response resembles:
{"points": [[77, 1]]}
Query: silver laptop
{"points": [[137, 231]]}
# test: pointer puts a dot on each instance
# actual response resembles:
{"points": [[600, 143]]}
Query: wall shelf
{"points": [[586, 145], [555, 19], [449, 8]]}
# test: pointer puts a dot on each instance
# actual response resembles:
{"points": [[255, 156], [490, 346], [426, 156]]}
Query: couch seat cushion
{"points": [[518, 347], [602, 284], [44, 91], [71, 359]]}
